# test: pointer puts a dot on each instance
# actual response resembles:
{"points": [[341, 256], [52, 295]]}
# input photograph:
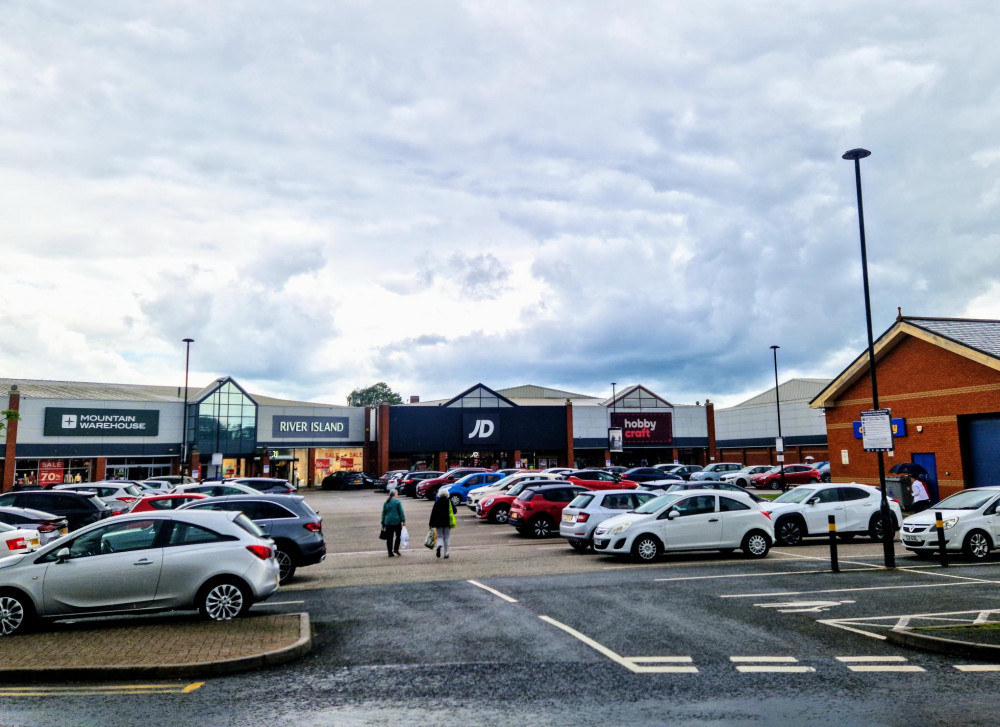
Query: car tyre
{"points": [[541, 526], [876, 531], [224, 599], [17, 615], [646, 549], [500, 514], [580, 546], [789, 531], [756, 544], [977, 545], [286, 564]]}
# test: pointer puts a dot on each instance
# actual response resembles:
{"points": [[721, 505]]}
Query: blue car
{"points": [[458, 491]]}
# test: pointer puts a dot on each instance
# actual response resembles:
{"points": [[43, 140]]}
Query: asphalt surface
{"points": [[695, 639]]}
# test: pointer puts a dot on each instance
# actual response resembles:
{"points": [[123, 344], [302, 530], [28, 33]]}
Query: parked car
{"points": [[169, 501], [690, 520], [14, 540], [589, 509], [295, 528], [505, 484], [725, 486], [599, 480], [458, 492], [802, 512], [971, 524], [496, 507], [742, 476], [267, 485], [118, 495], [219, 563], [795, 474], [407, 484], [537, 511], [428, 488], [79, 508], [684, 470], [388, 481], [824, 471], [49, 526], [642, 475], [215, 489], [558, 471], [714, 471], [347, 479], [615, 469], [155, 486], [172, 480]]}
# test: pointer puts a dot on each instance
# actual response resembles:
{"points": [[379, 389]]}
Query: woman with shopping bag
{"points": [[393, 521], [442, 521]]}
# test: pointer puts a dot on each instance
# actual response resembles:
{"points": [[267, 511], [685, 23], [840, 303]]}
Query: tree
{"points": [[7, 415], [374, 395]]}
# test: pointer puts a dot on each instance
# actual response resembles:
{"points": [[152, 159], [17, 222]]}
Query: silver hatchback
{"points": [[217, 562], [589, 509]]}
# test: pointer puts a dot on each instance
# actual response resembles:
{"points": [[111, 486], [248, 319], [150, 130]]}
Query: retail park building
{"points": [[940, 377]]}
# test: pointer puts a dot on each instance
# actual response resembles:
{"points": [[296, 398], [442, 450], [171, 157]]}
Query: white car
{"points": [[803, 511], [18, 540], [215, 489], [505, 484], [589, 509], [689, 520], [970, 519], [120, 496], [742, 477]]}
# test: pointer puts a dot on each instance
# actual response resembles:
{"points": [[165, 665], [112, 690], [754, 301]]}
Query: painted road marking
{"points": [[869, 659], [847, 590], [977, 667], [281, 603], [35, 691], [886, 623], [802, 606], [629, 663], [495, 592], [769, 665], [878, 664]]}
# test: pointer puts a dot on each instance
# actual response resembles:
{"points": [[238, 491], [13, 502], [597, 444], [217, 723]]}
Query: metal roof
{"points": [[978, 334], [791, 390]]}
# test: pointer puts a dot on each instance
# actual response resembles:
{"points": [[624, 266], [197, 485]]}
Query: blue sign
{"points": [[898, 428]]}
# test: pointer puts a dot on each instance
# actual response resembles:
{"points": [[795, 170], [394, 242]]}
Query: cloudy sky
{"points": [[435, 194]]}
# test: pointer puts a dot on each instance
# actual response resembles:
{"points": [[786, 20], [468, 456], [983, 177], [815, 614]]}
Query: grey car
{"points": [[714, 471], [219, 563], [295, 528]]}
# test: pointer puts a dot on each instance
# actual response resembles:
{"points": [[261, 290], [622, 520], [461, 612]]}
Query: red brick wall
{"points": [[928, 386]]}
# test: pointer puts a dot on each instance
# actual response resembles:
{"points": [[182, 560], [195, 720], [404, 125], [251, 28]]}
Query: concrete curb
{"points": [[219, 667], [966, 649]]}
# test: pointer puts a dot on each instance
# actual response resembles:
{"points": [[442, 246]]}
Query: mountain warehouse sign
{"points": [[60, 422], [297, 426]]}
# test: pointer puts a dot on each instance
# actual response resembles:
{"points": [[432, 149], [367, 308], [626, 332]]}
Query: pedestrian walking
{"points": [[921, 500], [442, 520], [393, 521]]}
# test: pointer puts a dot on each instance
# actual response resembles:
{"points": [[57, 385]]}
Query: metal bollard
{"points": [[832, 525], [939, 524]]}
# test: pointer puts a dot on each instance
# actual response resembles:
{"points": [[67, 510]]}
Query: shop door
{"points": [[983, 451], [928, 460]]}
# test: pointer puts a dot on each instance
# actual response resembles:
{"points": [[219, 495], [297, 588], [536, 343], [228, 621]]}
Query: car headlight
{"points": [[620, 528], [950, 523], [487, 502]]}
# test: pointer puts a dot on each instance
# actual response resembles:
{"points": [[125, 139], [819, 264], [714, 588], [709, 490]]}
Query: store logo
{"points": [[483, 429], [69, 421]]}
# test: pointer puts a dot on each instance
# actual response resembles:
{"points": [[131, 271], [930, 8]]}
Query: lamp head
{"points": [[188, 340], [855, 154]]}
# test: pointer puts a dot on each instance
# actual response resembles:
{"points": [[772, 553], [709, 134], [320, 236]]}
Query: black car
{"points": [[343, 479], [407, 484], [648, 474], [79, 508], [684, 470]]}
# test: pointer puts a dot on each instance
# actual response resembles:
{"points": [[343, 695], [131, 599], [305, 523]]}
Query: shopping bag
{"points": [[383, 535], [431, 540], [404, 539], [451, 516]]}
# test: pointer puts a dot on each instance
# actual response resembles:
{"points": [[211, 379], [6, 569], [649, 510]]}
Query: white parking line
{"points": [[847, 590], [977, 667], [869, 659], [495, 592], [869, 668], [769, 665], [759, 659]]}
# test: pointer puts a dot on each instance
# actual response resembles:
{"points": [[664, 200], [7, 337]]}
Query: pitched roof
{"points": [[532, 391], [791, 390]]}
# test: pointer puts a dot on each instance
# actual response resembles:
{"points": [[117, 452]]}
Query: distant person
{"points": [[921, 500], [393, 521], [442, 520]]}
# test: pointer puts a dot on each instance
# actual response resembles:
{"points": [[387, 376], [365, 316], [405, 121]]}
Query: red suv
{"points": [[537, 510], [600, 480], [429, 488], [795, 474], [496, 507]]}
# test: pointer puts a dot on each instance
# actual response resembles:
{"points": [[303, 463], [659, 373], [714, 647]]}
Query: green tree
{"points": [[374, 395], [7, 415]]}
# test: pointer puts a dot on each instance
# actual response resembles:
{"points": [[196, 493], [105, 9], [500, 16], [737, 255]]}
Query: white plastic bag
{"points": [[404, 539]]}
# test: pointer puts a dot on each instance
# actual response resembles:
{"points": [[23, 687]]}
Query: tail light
{"points": [[117, 512], [16, 544], [45, 528], [261, 551], [126, 498], [897, 501], [766, 514], [583, 517], [314, 527]]}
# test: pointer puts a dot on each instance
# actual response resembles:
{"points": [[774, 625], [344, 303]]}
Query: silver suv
{"points": [[715, 471]]}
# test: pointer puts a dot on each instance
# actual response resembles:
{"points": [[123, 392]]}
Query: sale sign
{"points": [[50, 472]]}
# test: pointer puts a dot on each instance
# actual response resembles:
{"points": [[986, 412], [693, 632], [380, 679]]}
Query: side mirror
{"points": [[812, 501], [62, 555], [673, 513]]}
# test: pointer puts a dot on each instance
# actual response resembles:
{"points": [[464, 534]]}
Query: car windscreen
{"points": [[581, 501], [657, 503], [799, 494], [249, 525], [966, 500]]}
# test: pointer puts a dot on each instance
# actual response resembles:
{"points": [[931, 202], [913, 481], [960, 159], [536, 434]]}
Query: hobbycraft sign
{"points": [[644, 428], [80, 422]]}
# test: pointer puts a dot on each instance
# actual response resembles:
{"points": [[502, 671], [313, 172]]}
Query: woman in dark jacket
{"points": [[442, 520], [393, 521]]}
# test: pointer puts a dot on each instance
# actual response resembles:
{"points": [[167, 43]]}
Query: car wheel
{"points": [[286, 566], [825, 478], [646, 549], [756, 544], [876, 531], [541, 527], [224, 600], [977, 545], [16, 613], [500, 514], [456, 500], [788, 531], [580, 546]]}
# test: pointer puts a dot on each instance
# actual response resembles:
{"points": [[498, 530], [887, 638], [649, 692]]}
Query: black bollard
{"points": [[939, 524], [834, 564]]}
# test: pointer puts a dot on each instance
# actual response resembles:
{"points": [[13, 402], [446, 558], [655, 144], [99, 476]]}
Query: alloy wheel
{"points": [[223, 602], [757, 544], [11, 615]]}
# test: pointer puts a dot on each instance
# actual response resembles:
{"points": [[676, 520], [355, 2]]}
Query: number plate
{"points": [[568, 517], [35, 541], [912, 539]]}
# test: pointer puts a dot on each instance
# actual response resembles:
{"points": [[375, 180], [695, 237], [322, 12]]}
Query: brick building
{"points": [[940, 377]]}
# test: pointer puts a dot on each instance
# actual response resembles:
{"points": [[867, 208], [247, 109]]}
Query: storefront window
{"points": [[224, 420]]}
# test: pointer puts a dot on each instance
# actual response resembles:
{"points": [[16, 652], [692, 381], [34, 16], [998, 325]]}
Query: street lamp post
{"points": [[184, 441], [613, 397], [888, 549], [777, 407]]}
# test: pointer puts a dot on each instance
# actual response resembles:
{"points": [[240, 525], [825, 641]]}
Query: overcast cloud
{"points": [[436, 194]]}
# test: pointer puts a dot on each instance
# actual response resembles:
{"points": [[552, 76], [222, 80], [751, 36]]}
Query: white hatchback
{"points": [[804, 511], [688, 520], [971, 524], [589, 509]]}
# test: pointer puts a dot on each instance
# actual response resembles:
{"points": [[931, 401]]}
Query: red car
{"points": [[166, 502], [496, 508], [429, 488], [795, 474], [600, 480], [537, 510]]}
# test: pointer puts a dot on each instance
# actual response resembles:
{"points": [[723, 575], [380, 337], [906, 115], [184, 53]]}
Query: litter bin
{"points": [[898, 487]]}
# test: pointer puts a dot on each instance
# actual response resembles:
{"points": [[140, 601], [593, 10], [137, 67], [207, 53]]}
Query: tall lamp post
{"points": [[184, 441], [780, 444], [613, 397], [888, 549]]}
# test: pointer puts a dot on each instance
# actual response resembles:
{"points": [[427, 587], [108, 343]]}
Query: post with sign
{"points": [[876, 436]]}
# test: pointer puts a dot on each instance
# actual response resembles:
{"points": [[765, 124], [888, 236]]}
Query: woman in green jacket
{"points": [[393, 521]]}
